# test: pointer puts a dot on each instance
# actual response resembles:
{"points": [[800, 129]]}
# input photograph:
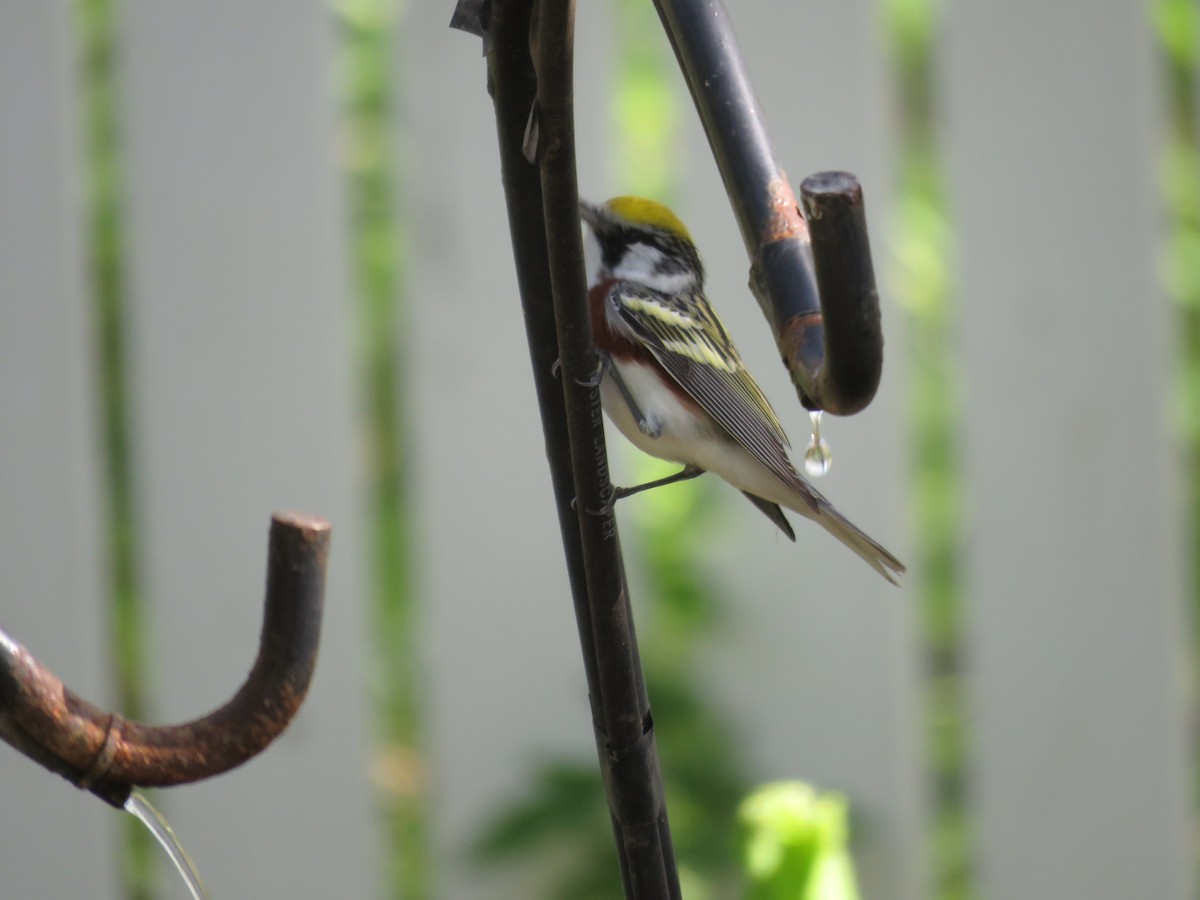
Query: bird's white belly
{"points": [[680, 427], [687, 435]]}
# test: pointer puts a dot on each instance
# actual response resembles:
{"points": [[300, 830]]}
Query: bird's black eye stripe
{"points": [[678, 253], [611, 251]]}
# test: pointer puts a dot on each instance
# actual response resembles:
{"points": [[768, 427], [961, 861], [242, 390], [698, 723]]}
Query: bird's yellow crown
{"points": [[641, 211]]}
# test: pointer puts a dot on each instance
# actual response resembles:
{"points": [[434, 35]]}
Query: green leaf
{"points": [[795, 844]]}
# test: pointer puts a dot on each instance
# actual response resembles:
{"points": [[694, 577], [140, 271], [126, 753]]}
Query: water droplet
{"points": [[818, 457], [138, 805]]}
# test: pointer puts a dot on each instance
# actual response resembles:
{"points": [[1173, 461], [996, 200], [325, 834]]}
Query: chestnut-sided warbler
{"points": [[671, 379]]}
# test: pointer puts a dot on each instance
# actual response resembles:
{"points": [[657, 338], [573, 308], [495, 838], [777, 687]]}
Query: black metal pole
{"points": [[543, 210], [829, 339], [529, 47], [633, 779]]}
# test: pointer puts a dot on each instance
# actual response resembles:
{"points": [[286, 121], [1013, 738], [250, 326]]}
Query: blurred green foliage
{"points": [[703, 777], [922, 281], [1177, 26], [646, 112], [95, 28], [795, 844], [377, 242]]}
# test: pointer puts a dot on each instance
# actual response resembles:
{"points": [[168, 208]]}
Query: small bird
{"points": [[672, 381]]}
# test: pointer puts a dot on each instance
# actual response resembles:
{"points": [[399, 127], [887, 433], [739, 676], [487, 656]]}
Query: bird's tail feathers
{"points": [[859, 541], [774, 513]]}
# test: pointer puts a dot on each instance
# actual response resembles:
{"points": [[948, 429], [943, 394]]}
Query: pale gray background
{"points": [[244, 400]]}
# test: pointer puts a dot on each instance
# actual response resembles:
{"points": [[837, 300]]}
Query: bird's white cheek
{"points": [[645, 264]]}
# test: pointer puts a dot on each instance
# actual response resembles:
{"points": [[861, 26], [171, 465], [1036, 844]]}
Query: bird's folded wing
{"points": [[686, 337]]}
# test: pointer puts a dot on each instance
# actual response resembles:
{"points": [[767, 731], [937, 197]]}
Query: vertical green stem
{"points": [[1177, 23], [96, 26], [924, 248], [645, 112], [376, 242], [1178, 26]]}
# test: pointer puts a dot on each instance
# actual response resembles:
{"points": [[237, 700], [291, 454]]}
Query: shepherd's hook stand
{"points": [[813, 280], [103, 753]]}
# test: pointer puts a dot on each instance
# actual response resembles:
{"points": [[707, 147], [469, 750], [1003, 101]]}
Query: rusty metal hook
{"points": [[828, 332], [814, 279], [103, 753]]}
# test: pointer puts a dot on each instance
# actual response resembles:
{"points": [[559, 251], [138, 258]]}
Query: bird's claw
{"points": [[593, 380], [605, 509]]}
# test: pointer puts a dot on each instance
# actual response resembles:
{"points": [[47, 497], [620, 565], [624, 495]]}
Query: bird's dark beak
{"points": [[590, 213]]}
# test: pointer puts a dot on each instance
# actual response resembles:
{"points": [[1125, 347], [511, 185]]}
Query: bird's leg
{"points": [[620, 493], [650, 425], [685, 474]]}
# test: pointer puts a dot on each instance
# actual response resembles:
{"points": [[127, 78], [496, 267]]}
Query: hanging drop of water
{"points": [[139, 806], [818, 457]]}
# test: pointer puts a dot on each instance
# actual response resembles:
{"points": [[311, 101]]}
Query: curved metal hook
{"points": [[830, 338], [818, 292], [108, 755]]}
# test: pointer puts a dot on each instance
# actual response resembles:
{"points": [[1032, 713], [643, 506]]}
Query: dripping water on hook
{"points": [[140, 807], [818, 457]]}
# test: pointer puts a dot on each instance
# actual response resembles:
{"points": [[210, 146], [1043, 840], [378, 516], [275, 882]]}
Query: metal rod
{"points": [[841, 252], [829, 339], [109, 756], [529, 46], [629, 753], [543, 217]]}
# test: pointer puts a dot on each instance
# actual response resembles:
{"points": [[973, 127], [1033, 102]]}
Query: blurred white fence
{"points": [[1077, 643]]}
